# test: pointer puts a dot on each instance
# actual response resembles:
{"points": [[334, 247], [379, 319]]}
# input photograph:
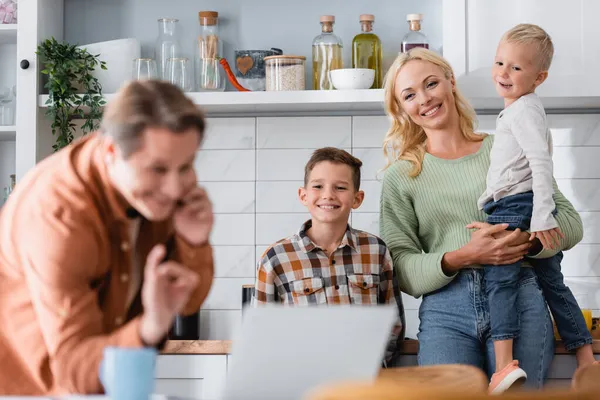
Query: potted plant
{"points": [[72, 89]]}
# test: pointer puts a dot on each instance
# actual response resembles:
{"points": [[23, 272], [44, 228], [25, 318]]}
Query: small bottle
{"points": [[326, 54], [414, 38], [366, 49]]}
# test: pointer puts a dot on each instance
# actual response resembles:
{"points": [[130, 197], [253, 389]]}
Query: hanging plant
{"points": [[69, 69]]}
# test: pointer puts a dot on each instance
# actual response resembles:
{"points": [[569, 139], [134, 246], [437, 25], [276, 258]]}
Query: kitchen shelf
{"points": [[362, 102], [8, 33], [8, 132], [308, 102], [557, 94]]}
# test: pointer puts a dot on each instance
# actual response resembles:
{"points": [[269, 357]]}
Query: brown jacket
{"points": [[65, 261]]}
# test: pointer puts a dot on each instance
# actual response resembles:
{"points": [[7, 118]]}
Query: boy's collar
{"points": [[307, 245]]}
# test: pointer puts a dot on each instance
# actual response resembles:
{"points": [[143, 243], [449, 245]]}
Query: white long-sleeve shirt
{"points": [[521, 160]]}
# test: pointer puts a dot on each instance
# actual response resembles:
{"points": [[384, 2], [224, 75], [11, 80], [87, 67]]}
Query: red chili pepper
{"points": [[231, 76]]}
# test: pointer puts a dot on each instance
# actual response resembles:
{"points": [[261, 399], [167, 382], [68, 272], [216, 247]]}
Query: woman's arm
{"points": [[569, 223], [418, 273]]}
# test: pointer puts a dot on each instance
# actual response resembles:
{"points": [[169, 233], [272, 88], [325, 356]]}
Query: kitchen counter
{"points": [[224, 347]]}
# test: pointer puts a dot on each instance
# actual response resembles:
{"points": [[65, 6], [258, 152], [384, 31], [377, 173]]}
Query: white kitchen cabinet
{"points": [[191, 376], [38, 20], [472, 30]]}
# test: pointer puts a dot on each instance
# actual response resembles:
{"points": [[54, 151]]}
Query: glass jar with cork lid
{"points": [[414, 38], [209, 74], [285, 72]]}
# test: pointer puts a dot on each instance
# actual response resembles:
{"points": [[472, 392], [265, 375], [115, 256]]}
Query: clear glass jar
{"points": [[366, 50], [414, 38], [326, 54], [210, 75], [167, 44], [285, 72]]}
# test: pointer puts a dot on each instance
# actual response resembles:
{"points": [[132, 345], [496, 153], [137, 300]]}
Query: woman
{"points": [[436, 172]]}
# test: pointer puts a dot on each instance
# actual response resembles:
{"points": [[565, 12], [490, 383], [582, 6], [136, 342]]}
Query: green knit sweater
{"points": [[424, 217]]}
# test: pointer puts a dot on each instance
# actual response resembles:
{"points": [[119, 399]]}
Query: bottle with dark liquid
{"points": [[186, 327], [414, 38]]}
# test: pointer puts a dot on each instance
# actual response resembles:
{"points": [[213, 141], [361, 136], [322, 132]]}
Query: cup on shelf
{"points": [[179, 74], [7, 109], [144, 68]]}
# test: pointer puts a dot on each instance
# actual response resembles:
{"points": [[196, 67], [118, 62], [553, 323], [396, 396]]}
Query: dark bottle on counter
{"points": [[186, 327], [414, 38]]}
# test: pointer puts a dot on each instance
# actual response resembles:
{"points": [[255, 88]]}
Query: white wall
{"points": [[261, 24], [253, 167]]}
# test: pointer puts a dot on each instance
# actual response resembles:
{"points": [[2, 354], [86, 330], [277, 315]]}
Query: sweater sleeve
{"points": [[568, 221], [418, 272]]}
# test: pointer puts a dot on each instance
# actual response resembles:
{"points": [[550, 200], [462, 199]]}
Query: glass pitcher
{"points": [[167, 44]]}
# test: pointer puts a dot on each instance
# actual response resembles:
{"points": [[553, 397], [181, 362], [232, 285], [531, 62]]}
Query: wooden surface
{"points": [[411, 347], [465, 378]]}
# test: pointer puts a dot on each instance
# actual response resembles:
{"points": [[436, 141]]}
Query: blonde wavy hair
{"points": [[406, 140]]}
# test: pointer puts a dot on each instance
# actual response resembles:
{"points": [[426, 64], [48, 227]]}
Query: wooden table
{"points": [[411, 347]]}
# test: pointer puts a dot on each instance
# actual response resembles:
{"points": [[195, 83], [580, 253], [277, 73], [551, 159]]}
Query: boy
{"points": [[519, 193], [328, 262]]}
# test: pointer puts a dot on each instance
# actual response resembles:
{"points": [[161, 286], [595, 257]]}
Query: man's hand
{"points": [[194, 217], [549, 238], [166, 290]]}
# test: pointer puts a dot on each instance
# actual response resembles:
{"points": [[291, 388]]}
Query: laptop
{"points": [[282, 352]]}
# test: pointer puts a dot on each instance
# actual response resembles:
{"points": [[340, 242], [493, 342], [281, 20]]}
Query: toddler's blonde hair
{"points": [[533, 34]]}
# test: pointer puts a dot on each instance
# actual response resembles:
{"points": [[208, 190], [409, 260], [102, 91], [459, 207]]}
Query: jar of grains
{"points": [[284, 72]]}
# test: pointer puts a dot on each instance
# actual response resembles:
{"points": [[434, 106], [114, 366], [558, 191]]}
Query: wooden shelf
{"points": [[8, 33], [8, 132]]}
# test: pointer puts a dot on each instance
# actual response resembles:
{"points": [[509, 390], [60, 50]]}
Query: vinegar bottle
{"points": [[326, 54]]}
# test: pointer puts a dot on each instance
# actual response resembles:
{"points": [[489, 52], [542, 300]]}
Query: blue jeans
{"points": [[455, 326], [501, 281]]}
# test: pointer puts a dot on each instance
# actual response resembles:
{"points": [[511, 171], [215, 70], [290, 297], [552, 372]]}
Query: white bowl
{"points": [[119, 55], [352, 78]]}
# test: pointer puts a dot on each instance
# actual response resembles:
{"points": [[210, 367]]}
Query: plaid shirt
{"points": [[296, 271]]}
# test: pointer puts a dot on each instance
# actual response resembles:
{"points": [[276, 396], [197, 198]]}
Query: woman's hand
{"points": [[489, 244]]}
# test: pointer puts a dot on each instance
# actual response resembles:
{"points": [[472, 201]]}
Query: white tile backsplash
{"points": [[253, 168], [230, 133], [591, 227], [225, 165], [369, 131], [368, 222], [231, 197], [219, 324], [273, 227], [583, 193], [281, 165], [576, 162], [373, 163], [278, 197], [303, 132], [582, 260], [566, 129], [226, 294], [234, 261], [372, 191], [233, 229]]}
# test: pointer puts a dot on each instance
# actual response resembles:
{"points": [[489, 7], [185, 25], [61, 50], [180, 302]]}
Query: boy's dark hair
{"points": [[337, 156]]}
